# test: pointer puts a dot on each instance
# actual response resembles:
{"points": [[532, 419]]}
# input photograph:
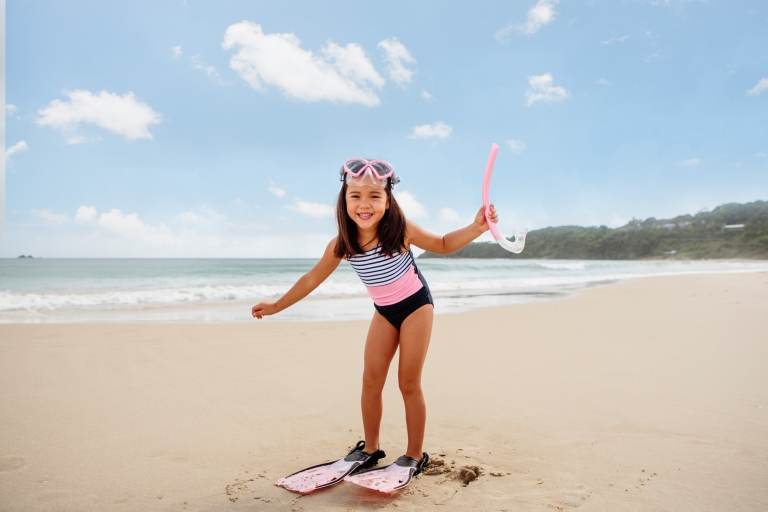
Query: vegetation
{"points": [[728, 231]]}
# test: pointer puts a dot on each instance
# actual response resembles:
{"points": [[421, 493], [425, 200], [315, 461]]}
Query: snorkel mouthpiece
{"points": [[519, 244]]}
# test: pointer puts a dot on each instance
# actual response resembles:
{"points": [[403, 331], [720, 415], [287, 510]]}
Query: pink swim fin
{"points": [[331, 473], [391, 478]]}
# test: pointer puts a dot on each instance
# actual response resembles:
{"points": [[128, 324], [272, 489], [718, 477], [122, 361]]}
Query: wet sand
{"points": [[645, 395]]}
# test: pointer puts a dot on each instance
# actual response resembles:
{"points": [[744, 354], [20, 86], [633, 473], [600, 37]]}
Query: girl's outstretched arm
{"points": [[454, 240], [303, 286]]}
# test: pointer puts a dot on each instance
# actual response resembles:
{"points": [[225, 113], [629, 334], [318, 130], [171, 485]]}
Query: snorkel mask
{"points": [[361, 172]]}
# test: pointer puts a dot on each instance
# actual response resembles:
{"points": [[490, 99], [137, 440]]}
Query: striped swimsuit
{"points": [[393, 282]]}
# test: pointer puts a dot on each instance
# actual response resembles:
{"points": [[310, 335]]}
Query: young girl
{"points": [[375, 238]]}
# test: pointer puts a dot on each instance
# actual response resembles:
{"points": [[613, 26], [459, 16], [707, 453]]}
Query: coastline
{"points": [[210, 291], [647, 394]]}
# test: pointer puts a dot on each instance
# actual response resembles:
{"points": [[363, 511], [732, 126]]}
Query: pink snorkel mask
{"points": [[361, 172]]}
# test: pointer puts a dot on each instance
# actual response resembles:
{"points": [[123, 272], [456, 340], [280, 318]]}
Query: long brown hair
{"points": [[390, 231]]}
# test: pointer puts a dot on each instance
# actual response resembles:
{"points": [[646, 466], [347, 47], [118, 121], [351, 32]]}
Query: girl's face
{"points": [[366, 205]]}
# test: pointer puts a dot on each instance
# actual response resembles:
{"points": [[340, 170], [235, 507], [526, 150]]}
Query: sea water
{"points": [[223, 290]]}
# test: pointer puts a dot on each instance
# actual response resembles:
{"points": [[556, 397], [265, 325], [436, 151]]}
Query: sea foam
{"points": [[60, 289]]}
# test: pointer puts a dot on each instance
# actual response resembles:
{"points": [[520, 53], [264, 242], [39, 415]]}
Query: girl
{"points": [[375, 238]]}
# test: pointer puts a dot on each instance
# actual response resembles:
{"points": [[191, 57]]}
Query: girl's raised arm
{"points": [[303, 287], [452, 241]]}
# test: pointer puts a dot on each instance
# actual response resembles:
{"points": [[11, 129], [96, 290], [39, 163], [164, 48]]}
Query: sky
{"points": [[191, 128]]}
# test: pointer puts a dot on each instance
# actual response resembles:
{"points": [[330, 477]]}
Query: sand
{"points": [[645, 395]]}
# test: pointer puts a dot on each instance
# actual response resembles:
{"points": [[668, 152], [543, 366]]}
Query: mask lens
{"points": [[355, 166], [381, 168]]}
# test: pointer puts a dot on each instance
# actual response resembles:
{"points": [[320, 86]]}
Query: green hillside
{"points": [[728, 231]]}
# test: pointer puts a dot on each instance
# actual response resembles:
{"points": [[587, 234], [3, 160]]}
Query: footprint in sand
{"points": [[573, 498], [11, 463], [238, 486]]}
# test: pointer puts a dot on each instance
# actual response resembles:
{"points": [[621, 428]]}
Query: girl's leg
{"points": [[414, 342], [380, 348]]}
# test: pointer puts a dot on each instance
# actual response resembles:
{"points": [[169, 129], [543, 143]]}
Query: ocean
{"points": [[223, 290]]}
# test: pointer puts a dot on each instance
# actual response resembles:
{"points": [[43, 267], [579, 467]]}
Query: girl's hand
{"points": [[480, 222], [263, 309]]}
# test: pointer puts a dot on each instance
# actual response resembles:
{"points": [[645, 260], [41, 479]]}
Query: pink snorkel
{"points": [[519, 243]]}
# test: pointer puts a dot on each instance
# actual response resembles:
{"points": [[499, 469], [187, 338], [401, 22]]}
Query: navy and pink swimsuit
{"points": [[393, 282]]}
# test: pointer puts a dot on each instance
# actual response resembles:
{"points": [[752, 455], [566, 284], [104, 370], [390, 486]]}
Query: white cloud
{"points": [[516, 146], [761, 155], [410, 206], [205, 68], [615, 39], [130, 227], [690, 162], [206, 215], [541, 89], [54, 219], [187, 217], [352, 63], [11, 109], [313, 209], [341, 74], [447, 214], [603, 81], [395, 54], [761, 86], [176, 51], [539, 15], [427, 96], [276, 191], [85, 214], [427, 131], [19, 146], [122, 235], [121, 115], [212, 214]]}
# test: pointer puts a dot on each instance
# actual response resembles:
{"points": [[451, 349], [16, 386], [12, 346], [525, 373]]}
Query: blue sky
{"points": [[201, 128]]}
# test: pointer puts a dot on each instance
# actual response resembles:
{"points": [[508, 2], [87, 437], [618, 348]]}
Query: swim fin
{"points": [[393, 477], [331, 473]]}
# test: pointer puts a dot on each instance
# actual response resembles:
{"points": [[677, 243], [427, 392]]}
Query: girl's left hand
{"points": [[480, 222]]}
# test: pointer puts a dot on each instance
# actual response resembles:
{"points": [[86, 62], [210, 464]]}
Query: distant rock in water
{"points": [[30, 256]]}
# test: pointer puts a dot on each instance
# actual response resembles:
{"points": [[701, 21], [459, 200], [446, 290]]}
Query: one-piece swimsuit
{"points": [[395, 283]]}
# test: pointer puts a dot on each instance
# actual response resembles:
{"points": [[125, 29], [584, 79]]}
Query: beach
{"points": [[650, 394]]}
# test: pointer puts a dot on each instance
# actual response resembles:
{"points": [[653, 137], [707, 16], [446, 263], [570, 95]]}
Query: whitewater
{"points": [[223, 290]]}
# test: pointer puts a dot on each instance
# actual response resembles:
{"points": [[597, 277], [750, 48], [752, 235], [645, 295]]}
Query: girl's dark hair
{"points": [[390, 231]]}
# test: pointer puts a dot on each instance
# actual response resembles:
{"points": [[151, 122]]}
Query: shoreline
{"points": [[651, 394], [332, 308]]}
